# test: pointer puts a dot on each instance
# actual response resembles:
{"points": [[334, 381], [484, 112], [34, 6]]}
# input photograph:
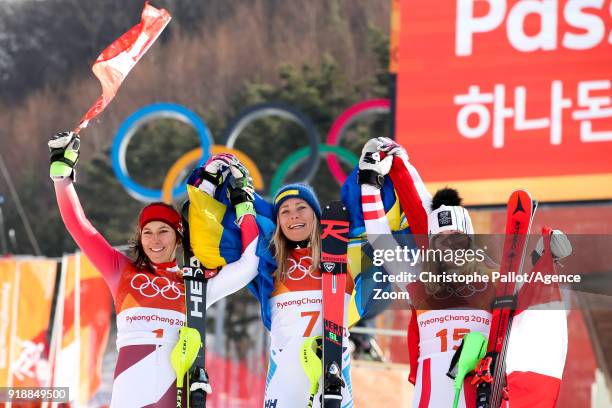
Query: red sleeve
{"points": [[102, 255], [413, 346], [248, 230]]}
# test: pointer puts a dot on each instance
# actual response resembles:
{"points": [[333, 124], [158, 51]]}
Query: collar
{"points": [[299, 244], [166, 266]]}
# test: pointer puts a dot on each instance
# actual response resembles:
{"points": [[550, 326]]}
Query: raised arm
{"points": [[375, 163], [236, 275], [64, 155]]}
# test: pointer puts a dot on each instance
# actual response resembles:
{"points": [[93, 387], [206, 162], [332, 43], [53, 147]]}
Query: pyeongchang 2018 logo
{"points": [[158, 286]]}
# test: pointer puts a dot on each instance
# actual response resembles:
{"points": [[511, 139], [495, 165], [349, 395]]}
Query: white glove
{"points": [[218, 165], [374, 157], [208, 177], [560, 246], [391, 147]]}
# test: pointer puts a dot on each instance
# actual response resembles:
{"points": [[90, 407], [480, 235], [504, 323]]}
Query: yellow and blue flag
{"points": [[216, 239]]}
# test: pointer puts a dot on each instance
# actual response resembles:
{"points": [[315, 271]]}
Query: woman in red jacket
{"points": [[148, 292]]}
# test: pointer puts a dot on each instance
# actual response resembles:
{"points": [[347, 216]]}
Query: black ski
{"points": [[195, 306], [334, 241]]}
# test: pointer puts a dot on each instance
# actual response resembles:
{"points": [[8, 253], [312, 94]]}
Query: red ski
{"points": [[490, 373], [334, 241]]}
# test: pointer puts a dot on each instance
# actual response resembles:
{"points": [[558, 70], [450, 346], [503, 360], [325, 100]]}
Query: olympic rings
{"points": [[347, 118], [129, 127], [170, 190], [305, 271], [192, 156], [249, 115], [146, 282], [296, 157]]}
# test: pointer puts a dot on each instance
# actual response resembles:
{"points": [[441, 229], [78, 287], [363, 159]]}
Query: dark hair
{"points": [[445, 196]]}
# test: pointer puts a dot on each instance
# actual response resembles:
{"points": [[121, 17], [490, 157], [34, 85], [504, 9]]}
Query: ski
{"points": [[490, 373], [334, 241], [195, 277]]}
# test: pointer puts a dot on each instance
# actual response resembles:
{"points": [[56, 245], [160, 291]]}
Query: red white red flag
{"points": [[118, 59]]}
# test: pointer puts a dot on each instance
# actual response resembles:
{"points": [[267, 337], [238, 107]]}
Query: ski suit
{"points": [[538, 340], [297, 313], [150, 305], [439, 322]]}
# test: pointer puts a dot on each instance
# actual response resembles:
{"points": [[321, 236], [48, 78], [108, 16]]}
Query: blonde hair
{"points": [[281, 249]]}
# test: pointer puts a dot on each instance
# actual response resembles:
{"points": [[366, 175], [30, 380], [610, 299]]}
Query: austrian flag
{"points": [[118, 59]]}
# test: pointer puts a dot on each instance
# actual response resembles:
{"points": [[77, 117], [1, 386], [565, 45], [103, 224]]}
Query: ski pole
{"points": [[182, 357], [310, 357], [472, 349]]}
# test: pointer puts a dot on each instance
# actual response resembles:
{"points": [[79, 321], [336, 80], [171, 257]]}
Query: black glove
{"points": [[64, 152]]}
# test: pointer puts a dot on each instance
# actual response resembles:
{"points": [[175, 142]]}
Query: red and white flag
{"points": [[537, 346], [118, 59]]}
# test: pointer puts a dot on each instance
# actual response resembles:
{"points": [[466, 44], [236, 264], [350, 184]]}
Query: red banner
{"points": [[26, 286], [498, 95], [82, 329], [118, 59]]}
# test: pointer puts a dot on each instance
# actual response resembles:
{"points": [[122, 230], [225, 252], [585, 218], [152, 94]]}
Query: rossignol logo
{"points": [[335, 229], [329, 266], [445, 218]]}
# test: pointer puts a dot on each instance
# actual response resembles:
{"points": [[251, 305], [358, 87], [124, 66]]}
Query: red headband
{"points": [[163, 213]]}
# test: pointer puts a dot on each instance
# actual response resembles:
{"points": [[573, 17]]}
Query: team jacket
{"points": [[150, 305], [297, 313], [537, 346]]}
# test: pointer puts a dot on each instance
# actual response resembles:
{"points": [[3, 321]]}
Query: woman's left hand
{"points": [[212, 174]]}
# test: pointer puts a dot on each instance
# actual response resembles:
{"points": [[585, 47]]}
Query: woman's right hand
{"points": [[212, 174], [64, 152]]}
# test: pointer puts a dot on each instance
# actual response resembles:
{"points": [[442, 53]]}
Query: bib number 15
{"points": [[457, 336]]}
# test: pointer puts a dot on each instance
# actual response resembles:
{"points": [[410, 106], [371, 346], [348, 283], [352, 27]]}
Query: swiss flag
{"points": [[118, 59]]}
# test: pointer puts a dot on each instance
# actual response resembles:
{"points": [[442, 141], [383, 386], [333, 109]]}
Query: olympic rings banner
{"points": [[173, 189], [495, 95]]}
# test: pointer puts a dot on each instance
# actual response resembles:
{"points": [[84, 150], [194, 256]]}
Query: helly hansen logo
{"points": [[445, 219], [271, 403]]}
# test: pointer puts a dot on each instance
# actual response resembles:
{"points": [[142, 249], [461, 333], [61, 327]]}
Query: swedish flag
{"points": [[216, 240]]}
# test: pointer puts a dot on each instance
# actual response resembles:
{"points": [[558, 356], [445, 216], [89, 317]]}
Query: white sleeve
{"points": [[234, 276], [379, 232]]}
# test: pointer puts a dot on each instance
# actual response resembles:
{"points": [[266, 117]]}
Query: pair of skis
{"points": [[491, 371], [188, 357], [324, 355], [334, 245]]}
